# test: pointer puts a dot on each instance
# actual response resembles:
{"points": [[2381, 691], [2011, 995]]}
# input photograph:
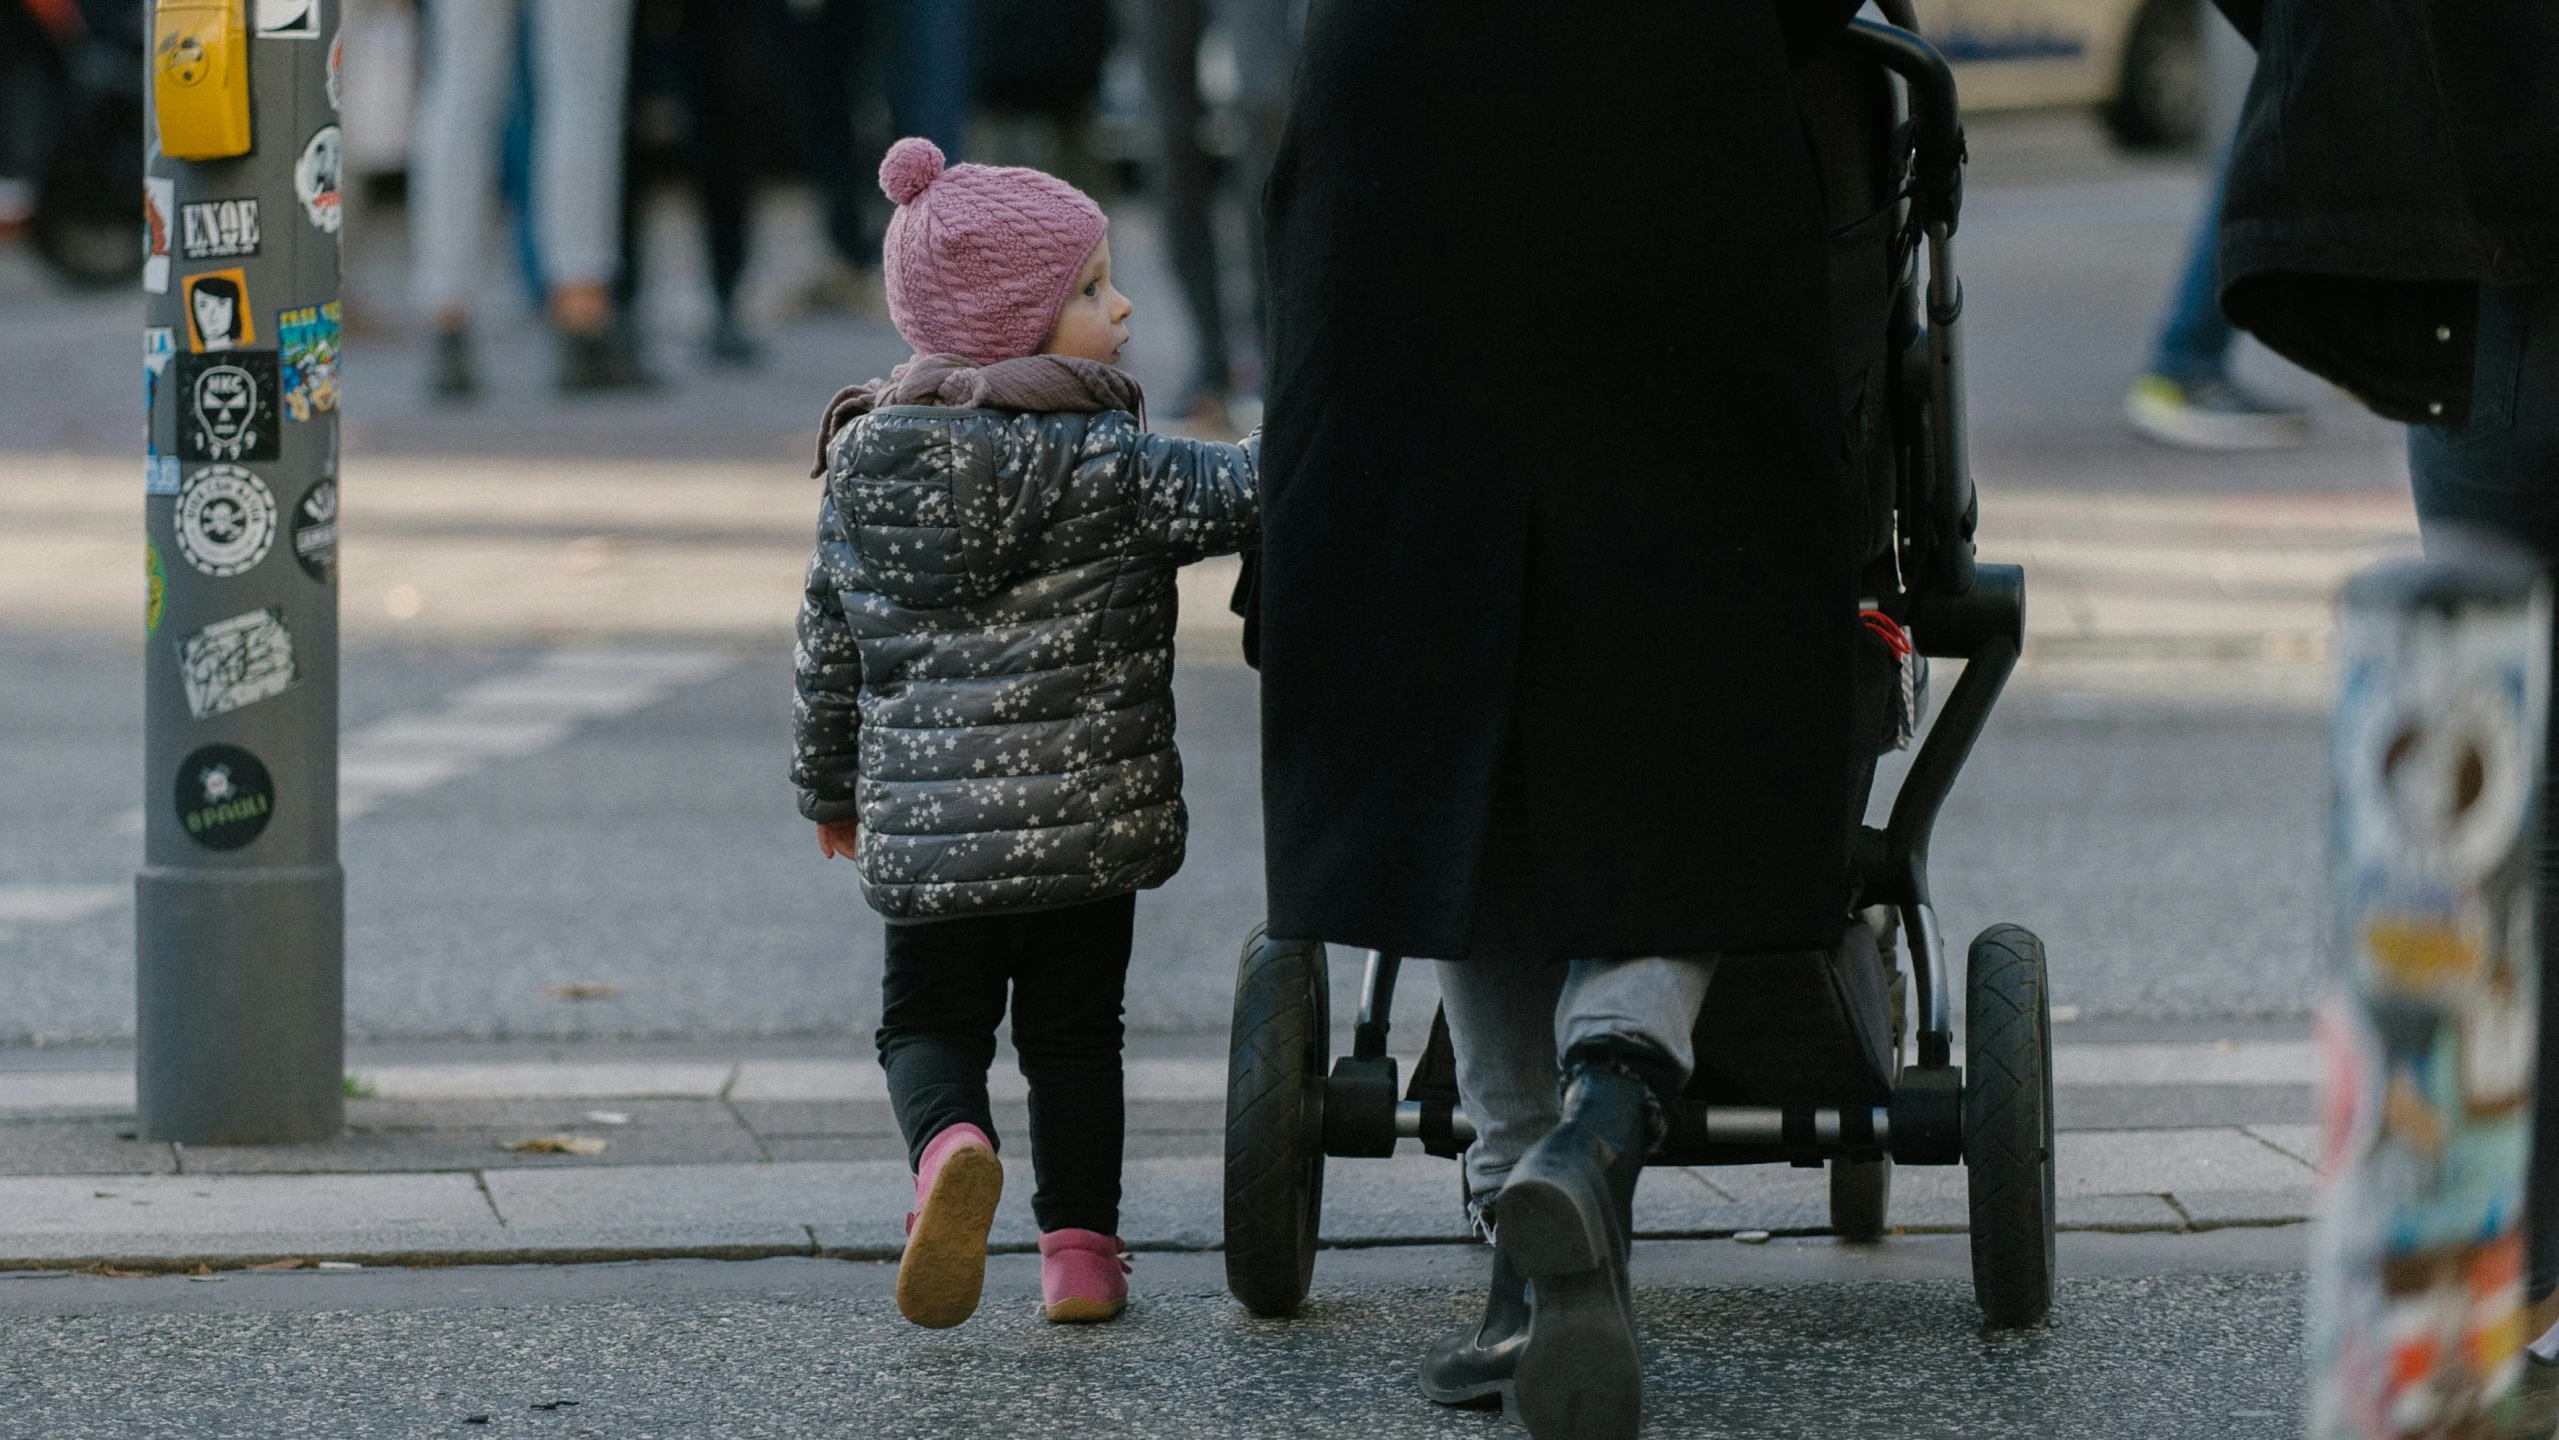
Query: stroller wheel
{"points": [[1860, 1192], [1275, 1067], [2008, 1125]]}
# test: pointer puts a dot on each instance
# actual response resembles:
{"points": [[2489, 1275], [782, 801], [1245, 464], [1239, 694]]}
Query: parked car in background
{"points": [[2139, 62]]}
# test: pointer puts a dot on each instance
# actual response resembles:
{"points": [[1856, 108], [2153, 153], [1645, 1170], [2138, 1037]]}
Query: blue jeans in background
{"points": [[2499, 472], [2194, 341]]}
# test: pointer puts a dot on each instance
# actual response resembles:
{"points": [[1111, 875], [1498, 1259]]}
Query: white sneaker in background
{"points": [[2212, 415]]}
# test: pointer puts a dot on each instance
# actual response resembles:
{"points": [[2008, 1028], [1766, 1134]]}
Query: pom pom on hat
{"points": [[911, 165], [979, 259]]}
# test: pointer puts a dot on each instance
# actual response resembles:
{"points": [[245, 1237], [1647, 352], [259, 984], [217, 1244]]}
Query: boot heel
{"points": [[1548, 1227]]}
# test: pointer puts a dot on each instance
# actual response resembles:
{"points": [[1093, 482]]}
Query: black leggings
{"points": [[941, 999]]}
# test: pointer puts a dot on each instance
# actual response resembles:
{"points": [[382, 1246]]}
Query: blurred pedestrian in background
{"points": [[723, 51], [912, 58], [2390, 222], [2188, 397], [1262, 40], [581, 51]]}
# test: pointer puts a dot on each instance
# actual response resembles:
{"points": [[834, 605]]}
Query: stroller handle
{"points": [[1936, 126], [1936, 197]]}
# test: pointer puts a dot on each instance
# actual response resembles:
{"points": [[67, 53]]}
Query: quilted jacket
{"points": [[985, 653]]}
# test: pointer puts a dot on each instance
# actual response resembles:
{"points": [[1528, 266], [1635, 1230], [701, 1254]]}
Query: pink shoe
{"points": [[944, 1268], [1083, 1276]]}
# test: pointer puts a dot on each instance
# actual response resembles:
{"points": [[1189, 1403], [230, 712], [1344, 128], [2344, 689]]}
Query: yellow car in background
{"points": [[2140, 62]]}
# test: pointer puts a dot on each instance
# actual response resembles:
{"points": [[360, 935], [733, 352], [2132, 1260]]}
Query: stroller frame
{"points": [[1852, 1104]]}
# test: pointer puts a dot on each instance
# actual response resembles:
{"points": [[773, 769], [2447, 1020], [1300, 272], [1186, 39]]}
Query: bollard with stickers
{"points": [[239, 924], [2417, 1315]]}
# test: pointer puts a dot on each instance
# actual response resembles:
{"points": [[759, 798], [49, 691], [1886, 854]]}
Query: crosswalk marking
{"points": [[504, 717]]}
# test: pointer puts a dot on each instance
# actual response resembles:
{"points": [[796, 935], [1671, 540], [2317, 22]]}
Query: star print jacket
{"points": [[985, 653]]}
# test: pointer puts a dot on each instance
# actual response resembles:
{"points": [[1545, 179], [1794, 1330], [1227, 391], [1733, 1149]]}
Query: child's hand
{"points": [[838, 838]]}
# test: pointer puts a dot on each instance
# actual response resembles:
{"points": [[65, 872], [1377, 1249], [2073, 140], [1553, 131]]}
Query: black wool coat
{"points": [[2392, 156], [1552, 459]]}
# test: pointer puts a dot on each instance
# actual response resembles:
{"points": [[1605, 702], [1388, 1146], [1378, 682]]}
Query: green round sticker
{"points": [[159, 596]]}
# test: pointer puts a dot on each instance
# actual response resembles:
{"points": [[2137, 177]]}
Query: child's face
{"points": [[1094, 324]]}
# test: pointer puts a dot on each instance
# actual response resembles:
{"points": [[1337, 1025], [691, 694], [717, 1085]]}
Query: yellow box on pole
{"points": [[200, 78]]}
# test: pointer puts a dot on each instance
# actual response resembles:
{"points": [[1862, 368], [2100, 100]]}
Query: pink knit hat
{"points": [[979, 258]]}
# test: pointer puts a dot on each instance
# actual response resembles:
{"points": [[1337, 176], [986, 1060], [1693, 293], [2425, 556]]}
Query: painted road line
{"points": [[58, 904], [506, 716], [2247, 1062], [509, 716]]}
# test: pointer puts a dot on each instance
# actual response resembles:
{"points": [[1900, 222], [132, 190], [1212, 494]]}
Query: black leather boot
{"points": [[1471, 1366], [1566, 1214]]}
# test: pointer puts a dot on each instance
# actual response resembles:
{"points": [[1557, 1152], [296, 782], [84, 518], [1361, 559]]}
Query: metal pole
{"points": [[2417, 1314], [239, 907]]}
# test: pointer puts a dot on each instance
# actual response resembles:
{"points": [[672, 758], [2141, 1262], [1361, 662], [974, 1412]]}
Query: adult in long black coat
{"points": [[1554, 517], [1552, 436]]}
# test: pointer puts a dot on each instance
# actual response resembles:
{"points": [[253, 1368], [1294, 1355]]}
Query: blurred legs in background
{"points": [[720, 53], [933, 84], [580, 55], [2187, 398], [1262, 37], [1184, 175], [830, 39]]}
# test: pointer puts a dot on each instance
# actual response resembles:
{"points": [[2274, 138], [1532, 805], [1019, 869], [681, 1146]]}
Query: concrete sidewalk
{"points": [[783, 1155]]}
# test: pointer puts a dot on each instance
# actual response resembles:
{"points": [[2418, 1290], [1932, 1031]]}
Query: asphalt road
{"points": [[2168, 855], [2171, 1337]]}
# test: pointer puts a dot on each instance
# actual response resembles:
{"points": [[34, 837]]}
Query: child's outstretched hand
{"points": [[838, 838]]}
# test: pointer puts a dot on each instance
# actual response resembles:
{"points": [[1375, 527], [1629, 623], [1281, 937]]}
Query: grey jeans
{"points": [[581, 59], [1512, 1013]]}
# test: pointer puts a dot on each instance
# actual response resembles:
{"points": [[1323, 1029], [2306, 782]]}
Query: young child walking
{"points": [[985, 687]]}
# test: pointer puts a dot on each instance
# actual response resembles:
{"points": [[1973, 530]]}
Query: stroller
{"points": [[1800, 1054]]}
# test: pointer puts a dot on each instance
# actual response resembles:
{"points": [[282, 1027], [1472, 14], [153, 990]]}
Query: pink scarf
{"points": [[1033, 383]]}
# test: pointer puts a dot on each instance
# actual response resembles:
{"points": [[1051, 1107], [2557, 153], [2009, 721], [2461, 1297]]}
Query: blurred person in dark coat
{"points": [[1558, 582]]}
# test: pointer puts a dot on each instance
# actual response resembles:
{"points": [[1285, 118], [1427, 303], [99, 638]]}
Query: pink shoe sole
{"points": [[1084, 1310], [944, 1269]]}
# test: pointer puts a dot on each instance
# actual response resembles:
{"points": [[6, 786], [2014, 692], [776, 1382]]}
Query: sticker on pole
{"points": [[159, 342], [218, 229], [226, 406], [307, 344], [236, 662], [226, 520], [337, 89], [155, 599], [315, 178], [288, 19], [315, 531], [159, 203], [224, 797], [217, 306]]}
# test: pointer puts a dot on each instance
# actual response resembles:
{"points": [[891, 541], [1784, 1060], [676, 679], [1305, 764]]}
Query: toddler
{"points": [[984, 670]]}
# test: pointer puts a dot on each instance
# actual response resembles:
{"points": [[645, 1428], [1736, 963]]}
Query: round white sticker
{"points": [[226, 520], [315, 178]]}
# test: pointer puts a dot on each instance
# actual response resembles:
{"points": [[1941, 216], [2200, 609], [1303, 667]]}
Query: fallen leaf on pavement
{"points": [[560, 1145], [583, 991]]}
